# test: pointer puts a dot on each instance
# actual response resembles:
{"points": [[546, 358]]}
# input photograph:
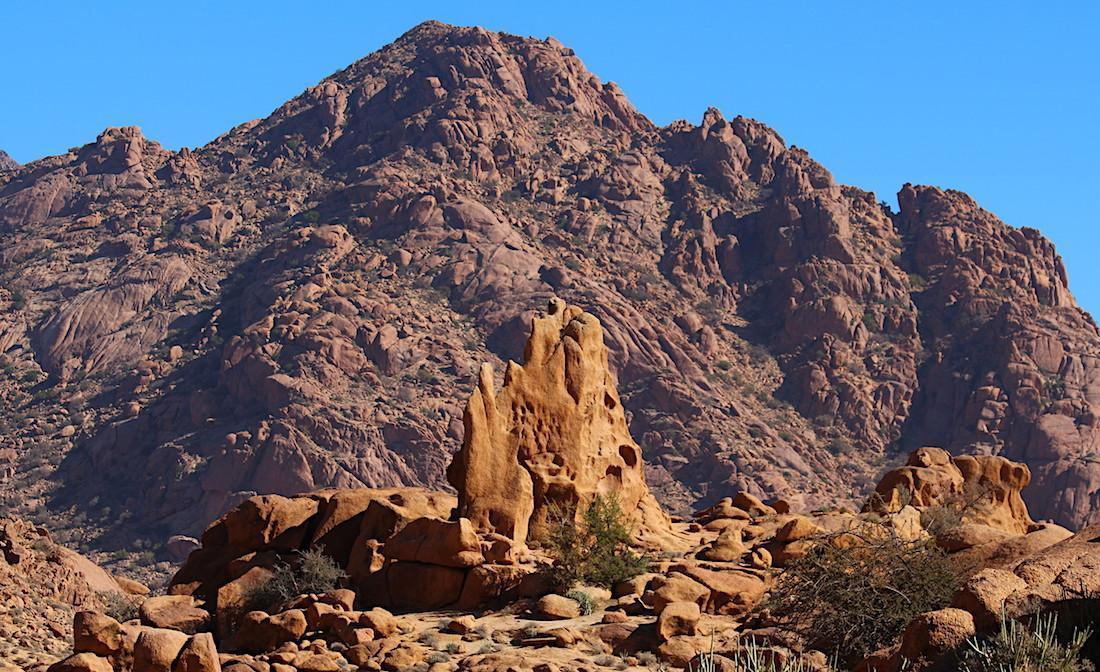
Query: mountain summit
{"points": [[304, 302]]}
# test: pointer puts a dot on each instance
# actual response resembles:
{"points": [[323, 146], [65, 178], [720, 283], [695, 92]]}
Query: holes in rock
{"points": [[629, 455]]}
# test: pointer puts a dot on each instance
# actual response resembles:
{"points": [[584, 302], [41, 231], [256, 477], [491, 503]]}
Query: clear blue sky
{"points": [[999, 99]]}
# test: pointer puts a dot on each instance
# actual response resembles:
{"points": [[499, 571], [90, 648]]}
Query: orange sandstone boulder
{"points": [[437, 542], [199, 654], [985, 489]]}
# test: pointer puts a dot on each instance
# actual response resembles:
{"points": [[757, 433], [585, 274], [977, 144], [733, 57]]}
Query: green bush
{"points": [[855, 597], [595, 551], [583, 600], [310, 571], [18, 299], [1015, 648]]}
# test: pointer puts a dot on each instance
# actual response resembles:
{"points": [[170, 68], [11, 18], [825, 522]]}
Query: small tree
{"points": [[596, 550]]}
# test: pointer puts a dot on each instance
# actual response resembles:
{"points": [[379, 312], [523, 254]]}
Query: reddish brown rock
{"points": [[82, 662], [199, 654], [156, 649], [379, 620], [259, 632], [97, 633], [678, 619], [675, 587], [557, 607], [436, 542], [420, 587], [175, 612], [933, 636]]}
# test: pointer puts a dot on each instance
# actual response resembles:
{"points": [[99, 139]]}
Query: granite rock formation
{"points": [[554, 436], [986, 489], [42, 586]]}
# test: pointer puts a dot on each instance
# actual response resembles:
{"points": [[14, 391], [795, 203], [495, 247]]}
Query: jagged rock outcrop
{"points": [[555, 435], [1015, 367], [985, 489], [303, 302]]}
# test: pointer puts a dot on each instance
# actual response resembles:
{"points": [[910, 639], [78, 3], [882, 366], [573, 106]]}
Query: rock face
{"points": [[555, 436], [303, 302]]}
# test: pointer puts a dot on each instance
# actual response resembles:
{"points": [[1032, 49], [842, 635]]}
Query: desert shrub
{"points": [[751, 657], [606, 660], [1015, 648], [429, 639], [310, 571], [583, 600], [118, 606], [594, 551], [854, 597], [646, 658]]}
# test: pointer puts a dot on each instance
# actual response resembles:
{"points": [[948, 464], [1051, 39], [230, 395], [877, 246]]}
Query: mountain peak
{"points": [[438, 85]]}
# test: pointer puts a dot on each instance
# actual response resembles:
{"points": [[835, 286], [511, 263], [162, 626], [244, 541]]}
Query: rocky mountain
{"points": [[6, 162], [305, 301]]}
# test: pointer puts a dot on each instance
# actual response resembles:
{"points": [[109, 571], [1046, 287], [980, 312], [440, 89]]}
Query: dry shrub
{"points": [[310, 571], [855, 592], [119, 606]]}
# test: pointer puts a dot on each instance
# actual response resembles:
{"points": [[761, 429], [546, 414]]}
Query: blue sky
{"points": [[999, 99]]}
